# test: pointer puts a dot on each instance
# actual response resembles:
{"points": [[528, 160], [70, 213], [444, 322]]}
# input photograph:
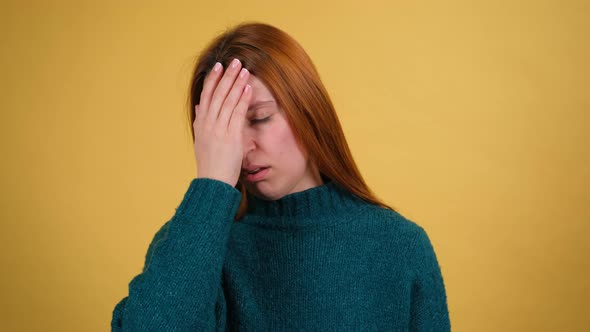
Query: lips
{"points": [[257, 174], [253, 168]]}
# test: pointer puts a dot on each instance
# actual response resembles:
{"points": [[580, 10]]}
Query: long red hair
{"points": [[278, 60]]}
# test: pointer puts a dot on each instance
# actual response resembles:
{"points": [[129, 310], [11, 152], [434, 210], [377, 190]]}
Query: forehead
{"points": [[261, 95], [259, 89]]}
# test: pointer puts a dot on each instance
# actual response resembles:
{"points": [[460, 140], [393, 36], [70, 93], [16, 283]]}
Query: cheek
{"points": [[277, 143], [285, 148]]}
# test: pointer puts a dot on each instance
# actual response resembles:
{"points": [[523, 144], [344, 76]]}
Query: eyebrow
{"points": [[259, 103]]}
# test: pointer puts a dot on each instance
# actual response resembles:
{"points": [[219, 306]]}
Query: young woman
{"points": [[279, 231]]}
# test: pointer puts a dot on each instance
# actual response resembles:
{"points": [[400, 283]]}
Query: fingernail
{"points": [[234, 63], [217, 66], [243, 72]]}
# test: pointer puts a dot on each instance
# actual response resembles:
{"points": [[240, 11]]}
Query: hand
{"points": [[219, 123]]}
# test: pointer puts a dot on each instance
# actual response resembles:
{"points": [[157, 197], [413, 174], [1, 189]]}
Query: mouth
{"points": [[256, 175]]}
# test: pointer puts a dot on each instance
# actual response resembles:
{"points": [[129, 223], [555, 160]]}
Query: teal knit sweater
{"points": [[320, 259]]}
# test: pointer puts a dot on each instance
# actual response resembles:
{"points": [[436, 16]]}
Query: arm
{"points": [[180, 285], [429, 310]]}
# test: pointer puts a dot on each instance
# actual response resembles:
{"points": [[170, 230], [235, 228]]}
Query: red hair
{"points": [[278, 60]]}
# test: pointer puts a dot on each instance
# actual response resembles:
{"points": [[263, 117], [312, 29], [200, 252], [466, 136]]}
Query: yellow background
{"points": [[470, 117]]}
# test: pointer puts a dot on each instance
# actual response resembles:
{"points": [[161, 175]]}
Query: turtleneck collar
{"points": [[325, 204]]}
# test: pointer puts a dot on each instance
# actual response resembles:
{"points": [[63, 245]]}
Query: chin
{"points": [[263, 190]]}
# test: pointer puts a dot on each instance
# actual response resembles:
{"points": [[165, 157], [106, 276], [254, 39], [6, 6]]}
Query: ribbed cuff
{"points": [[210, 198]]}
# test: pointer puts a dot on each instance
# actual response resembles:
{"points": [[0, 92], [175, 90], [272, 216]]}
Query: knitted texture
{"points": [[320, 259]]}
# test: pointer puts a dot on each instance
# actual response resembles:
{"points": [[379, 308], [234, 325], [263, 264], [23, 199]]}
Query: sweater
{"points": [[320, 259]]}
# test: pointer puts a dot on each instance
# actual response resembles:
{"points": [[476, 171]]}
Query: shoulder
{"points": [[391, 221], [406, 235], [393, 229]]}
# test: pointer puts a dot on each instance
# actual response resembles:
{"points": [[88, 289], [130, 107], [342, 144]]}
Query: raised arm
{"points": [[180, 282], [181, 279]]}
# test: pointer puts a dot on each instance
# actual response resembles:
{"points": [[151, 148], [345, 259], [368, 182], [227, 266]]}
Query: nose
{"points": [[248, 140]]}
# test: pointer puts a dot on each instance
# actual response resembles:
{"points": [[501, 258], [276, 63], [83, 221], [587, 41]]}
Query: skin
{"points": [[229, 136], [272, 143]]}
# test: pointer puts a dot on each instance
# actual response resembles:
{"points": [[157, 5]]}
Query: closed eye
{"points": [[259, 120]]}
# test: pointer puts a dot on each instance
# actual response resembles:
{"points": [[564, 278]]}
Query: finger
{"points": [[198, 114], [238, 116], [233, 98], [209, 85], [221, 91]]}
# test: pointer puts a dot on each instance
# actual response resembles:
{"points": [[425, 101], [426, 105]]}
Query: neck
{"points": [[322, 205]]}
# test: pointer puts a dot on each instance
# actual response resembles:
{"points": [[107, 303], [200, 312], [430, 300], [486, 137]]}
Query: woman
{"points": [[279, 231]]}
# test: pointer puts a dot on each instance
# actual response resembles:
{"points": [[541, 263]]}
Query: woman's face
{"points": [[271, 143]]}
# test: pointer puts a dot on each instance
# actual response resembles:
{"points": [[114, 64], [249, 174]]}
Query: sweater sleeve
{"points": [[429, 309], [179, 288]]}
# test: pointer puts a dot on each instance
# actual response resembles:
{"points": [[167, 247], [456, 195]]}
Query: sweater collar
{"points": [[325, 204]]}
